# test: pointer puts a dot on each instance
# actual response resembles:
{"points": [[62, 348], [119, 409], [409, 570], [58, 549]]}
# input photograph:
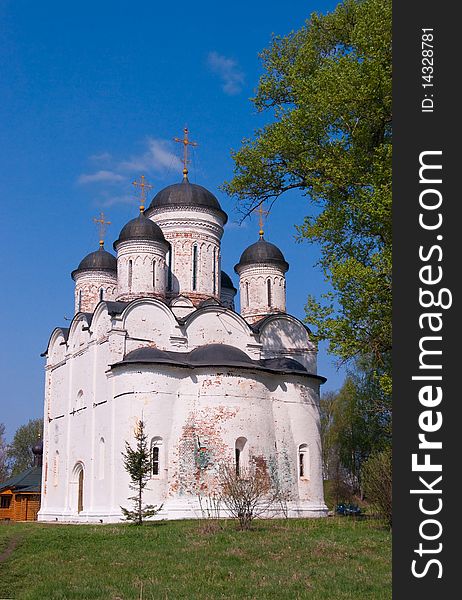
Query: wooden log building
{"points": [[20, 494]]}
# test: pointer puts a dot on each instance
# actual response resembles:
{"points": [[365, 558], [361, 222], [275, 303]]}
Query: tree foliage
{"points": [[355, 422], [4, 469], [19, 452], [328, 87], [137, 463], [377, 476]]}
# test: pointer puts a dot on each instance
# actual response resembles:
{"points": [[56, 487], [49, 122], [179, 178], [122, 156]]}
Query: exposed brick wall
{"points": [[141, 270], [258, 298], [185, 229], [88, 286]]}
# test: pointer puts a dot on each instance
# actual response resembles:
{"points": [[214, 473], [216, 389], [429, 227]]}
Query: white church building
{"points": [[156, 336]]}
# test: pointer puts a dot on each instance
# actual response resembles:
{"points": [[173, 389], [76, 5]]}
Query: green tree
{"points": [[20, 450], [137, 463], [377, 476], [4, 469], [355, 422], [328, 89]]}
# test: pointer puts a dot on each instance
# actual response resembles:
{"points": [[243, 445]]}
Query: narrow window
{"points": [[214, 271], [56, 469], [79, 402], [80, 300], [154, 274], [238, 450], [102, 458], [238, 456], [268, 291], [101, 292], [155, 460], [156, 444], [169, 270], [303, 462], [194, 267], [247, 293], [130, 273]]}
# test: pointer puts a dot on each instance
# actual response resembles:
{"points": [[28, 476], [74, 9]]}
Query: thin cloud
{"points": [[157, 158], [117, 200], [102, 157], [101, 177], [236, 224], [228, 71]]}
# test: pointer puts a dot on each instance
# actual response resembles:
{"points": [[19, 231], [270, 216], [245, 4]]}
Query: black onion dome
{"points": [[226, 281], [218, 354], [100, 260], [262, 252], [186, 194], [140, 228]]}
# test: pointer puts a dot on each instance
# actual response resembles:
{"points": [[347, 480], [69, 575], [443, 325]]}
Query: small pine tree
{"points": [[138, 466]]}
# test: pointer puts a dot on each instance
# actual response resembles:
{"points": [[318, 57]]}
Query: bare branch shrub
{"points": [[247, 494], [210, 506]]}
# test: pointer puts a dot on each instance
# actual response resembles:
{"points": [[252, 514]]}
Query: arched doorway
{"points": [[80, 493], [77, 483]]}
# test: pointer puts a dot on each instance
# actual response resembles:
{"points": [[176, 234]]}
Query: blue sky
{"points": [[91, 95]]}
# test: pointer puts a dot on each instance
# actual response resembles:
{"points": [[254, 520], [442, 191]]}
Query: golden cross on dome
{"points": [[186, 142], [144, 185], [261, 212], [102, 226]]}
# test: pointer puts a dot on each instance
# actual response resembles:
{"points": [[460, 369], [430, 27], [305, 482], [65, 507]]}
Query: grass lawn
{"points": [[315, 558]]}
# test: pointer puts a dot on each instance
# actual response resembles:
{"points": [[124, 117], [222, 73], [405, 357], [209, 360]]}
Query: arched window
{"points": [[238, 450], [130, 273], [56, 469], [169, 261], [79, 400], [194, 267], [101, 293], [214, 270], [154, 274], [268, 292], [247, 293], [102, 457], [156, 445], [303, 461]]}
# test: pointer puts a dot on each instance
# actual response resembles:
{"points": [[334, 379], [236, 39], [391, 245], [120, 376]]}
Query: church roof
{"points": [[100, 260], [220, 355], [262, 252], [186, 194], [215, 355], [115, 308], [29, 480], [226, 281], [140, 228]]}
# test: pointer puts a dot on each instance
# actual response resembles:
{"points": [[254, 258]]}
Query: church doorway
{"points": [[80, 493], [77, 483]]}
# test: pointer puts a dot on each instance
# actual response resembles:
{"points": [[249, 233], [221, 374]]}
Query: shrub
{"points": [[377, 479]]}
